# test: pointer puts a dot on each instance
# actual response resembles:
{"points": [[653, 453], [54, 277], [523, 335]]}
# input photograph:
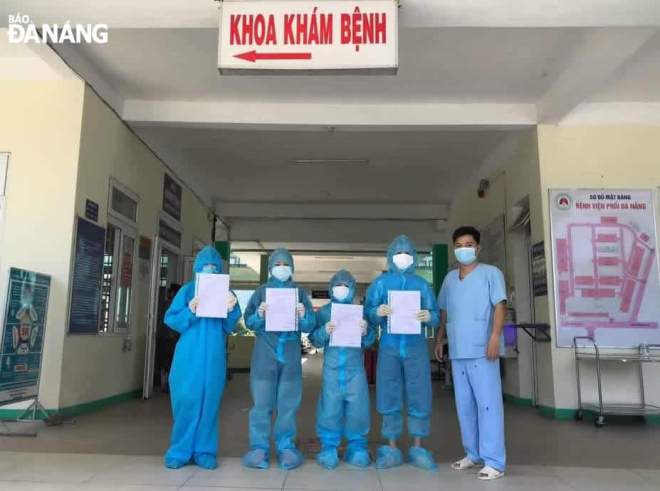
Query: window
{"points": [[123, 204], [169, 233], [117, 280], [119, 260]]}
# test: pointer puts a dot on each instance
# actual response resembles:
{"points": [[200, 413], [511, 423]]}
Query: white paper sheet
{"points": [[212, 290], [405, 306], [347, 333], [281, 315]]}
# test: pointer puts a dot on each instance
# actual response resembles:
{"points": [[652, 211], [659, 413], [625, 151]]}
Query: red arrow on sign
{"points": [[253, 56]]}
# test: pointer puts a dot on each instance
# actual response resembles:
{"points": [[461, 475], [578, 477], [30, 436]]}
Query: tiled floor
{"points": [[73, 472], [142, 428]]}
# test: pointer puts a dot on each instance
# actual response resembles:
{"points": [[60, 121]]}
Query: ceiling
{"points": [[497, 65], [258, 166], [473, 76]]}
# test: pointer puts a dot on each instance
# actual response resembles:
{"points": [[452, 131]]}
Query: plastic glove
{"points": [[231, 302], [192, 305], [301, 310], [364, 325], [261, 310], [423, 315], [384, 310], [330, 327]]}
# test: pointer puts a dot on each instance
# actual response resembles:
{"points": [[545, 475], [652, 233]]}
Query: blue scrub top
{"points": [[469, 304]]}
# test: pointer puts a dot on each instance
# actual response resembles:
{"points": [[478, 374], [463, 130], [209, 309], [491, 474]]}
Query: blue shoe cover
{"points": [[358, 457], [172, 463], [388, 457], [422, 458], [257, 458], [290, 458], [328, 458], [206, 461]]}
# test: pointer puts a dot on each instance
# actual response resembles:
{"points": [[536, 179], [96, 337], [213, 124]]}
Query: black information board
{"points": [[172, 197], [87, 276], [92, 210], [539, 279]]}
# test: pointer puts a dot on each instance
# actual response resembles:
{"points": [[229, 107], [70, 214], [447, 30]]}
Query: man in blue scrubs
{"points": [[472, 304]]}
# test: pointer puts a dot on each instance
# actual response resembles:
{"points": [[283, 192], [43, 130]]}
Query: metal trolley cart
{"points": [[586, 349]]}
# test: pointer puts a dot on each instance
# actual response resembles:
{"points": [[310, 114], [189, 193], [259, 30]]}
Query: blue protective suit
{"points": [[197, 378], [343, 407], [275, 373], [404, 370]]}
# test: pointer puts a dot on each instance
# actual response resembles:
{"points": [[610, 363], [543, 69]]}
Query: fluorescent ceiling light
{"points": [[330, 161]]}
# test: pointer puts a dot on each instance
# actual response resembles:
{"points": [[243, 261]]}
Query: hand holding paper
{"points": [[384, 310], [364, 325], [231, 302], [301, 310], [261, 310], [330, 327], [192, 305]]}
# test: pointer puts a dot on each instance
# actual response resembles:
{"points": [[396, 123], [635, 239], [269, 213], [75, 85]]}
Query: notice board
{"points": [[23, 335], [605, 266], [85, 301]]}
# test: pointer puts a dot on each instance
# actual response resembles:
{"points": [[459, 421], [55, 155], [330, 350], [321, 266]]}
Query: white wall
{"points": [[95, 367], [40, 126], [598, 157]]}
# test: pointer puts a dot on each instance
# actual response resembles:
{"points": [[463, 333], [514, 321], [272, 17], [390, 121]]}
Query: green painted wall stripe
{"points": [[440, 254], [263, 270], [224, 249], [77, 410], [517, 401]]}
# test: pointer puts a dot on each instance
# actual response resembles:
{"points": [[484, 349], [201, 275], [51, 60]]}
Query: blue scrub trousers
{"points": [[478, 392]]}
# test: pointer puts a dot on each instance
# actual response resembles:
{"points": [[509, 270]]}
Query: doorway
{"points": [[160, 342]]}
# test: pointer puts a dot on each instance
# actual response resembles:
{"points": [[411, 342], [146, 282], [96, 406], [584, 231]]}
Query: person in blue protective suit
{"points": [[197, 377], [403, 370], [473, 308], [343, 408], [276, 370]]}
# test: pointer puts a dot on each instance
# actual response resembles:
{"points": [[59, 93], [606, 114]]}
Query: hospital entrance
{"points": [[120, 160]]}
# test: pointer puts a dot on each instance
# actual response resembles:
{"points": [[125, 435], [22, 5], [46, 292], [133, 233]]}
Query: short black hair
{"points": [[466, 230]]}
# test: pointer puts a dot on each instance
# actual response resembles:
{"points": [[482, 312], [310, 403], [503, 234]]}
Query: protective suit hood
{"points": [[208, 255], [345, 278], [401, 244], [280, 255]]}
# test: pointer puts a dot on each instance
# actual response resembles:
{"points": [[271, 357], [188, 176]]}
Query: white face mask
{"points": [[340, 292], [402, 261], [282, 273]]}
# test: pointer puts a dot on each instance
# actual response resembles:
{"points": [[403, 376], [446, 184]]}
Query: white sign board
{"points": [[605, 266], [290, 36]]}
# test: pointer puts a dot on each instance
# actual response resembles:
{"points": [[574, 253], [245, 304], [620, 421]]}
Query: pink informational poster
{"points": [[605, 266]]}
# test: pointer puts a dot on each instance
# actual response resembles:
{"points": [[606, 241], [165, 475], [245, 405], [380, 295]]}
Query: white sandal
{"points": [[463, 464], [489, 474]]}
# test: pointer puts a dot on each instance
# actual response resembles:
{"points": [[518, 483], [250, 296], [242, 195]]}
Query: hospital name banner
{"points": [[605, 265], [23, 335], [271, 36]]}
